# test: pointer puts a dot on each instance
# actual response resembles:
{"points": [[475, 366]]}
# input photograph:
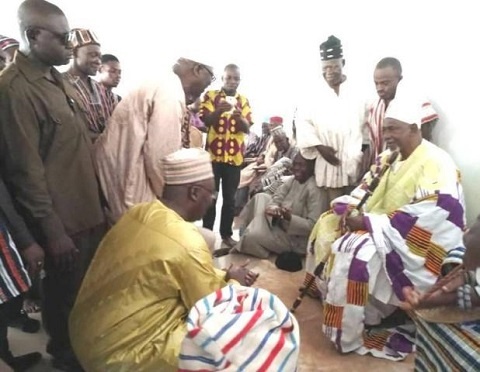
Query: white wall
{"points": [[276, 45]]}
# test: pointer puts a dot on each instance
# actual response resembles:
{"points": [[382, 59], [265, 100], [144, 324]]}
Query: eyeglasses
{"points": [[65, 38], [210, 72], [213, 193]]}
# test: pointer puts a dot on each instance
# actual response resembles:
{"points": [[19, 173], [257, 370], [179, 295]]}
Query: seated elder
{"points": [[257, 145], [257, 162], [282, 222], [399, 238], [273, 176], [148, 272]]}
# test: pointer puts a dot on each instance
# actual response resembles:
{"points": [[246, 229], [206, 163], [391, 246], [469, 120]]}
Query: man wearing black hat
{"points": [[329, 125]]}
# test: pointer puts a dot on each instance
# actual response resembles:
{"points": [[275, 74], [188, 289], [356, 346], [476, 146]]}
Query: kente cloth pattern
{"points": [[413, 219], [238, 328]]}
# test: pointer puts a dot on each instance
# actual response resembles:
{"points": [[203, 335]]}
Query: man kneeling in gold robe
{"points": [[148, 272]]}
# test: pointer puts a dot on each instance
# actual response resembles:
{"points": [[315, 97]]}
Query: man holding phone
{"points": [[228, 117]]}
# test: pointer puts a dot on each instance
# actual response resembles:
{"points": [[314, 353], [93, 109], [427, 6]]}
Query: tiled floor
{"points": [[316, 353]]}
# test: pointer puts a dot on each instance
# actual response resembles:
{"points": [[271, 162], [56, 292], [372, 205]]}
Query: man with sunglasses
{"points": [[46, 162], [149, 123]]}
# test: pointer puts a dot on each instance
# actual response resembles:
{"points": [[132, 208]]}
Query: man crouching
{"points": [[148, 272]]}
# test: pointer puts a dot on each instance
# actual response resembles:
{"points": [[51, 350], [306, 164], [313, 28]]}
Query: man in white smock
{"points": [[330, 122]]}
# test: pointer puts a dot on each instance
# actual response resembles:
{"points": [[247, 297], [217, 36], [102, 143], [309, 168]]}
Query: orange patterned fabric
{"points": [[376, 340], [357, 293], [225, 143], [418, 240], [435, 256], [332, 316]]}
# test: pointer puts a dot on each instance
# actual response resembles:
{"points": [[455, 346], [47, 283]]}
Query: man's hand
{"points": [[63, 252], [241, 274], [223, 106], [412, 299], [242, 123], [416, 300], [328, 153], [33, 257], [355, 223], [286, 214], [273, 210], [453, 284], [261, 160]]}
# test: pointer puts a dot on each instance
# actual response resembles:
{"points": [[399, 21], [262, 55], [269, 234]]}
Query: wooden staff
{"points": [[456, 272], [370, 189]]}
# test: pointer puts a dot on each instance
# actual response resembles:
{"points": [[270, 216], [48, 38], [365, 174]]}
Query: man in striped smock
{"points": [[97, 101], [14, 279]]}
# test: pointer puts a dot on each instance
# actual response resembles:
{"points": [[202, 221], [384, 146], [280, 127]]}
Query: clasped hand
{"points": [[279, 212], [241, 274], [329, 154], [414, 299]]}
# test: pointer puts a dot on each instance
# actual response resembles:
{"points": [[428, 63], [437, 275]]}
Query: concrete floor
{"points": [[316, 353]]}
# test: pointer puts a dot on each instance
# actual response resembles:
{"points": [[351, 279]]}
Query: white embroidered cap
{"points": [[187, 166]]}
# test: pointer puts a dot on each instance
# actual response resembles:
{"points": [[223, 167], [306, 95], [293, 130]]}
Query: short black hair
{"points": [[390, 62], [109, 58], [231, 66]]}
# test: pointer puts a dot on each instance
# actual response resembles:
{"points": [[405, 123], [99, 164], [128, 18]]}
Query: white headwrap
{"points": [[405, 107]]}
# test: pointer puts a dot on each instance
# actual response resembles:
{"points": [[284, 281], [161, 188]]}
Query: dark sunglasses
{"points": [[65, 38]]}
